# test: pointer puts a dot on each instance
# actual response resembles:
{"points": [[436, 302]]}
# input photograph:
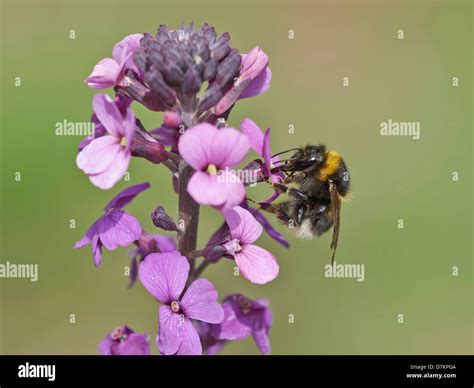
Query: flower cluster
{"points": [[195, 78]]}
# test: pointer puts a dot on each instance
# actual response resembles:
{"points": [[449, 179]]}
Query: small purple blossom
{"points": [[255, 263], [260, 143], [164, 275], [123, 341], [254, 79], [210, 344], [123, 104], [146, 244], [244, 317], [212, 152], [110, 72], [105, 159], [116, 227]]}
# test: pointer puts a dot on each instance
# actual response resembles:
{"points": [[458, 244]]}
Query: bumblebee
{"points": [[314, 206]]}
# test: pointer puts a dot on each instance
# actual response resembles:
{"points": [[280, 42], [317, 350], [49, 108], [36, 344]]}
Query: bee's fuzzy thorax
{"points": [[330, 166]]}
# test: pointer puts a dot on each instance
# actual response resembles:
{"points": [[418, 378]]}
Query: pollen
{"points": [[123, 142], [118, 334], [174, 306], [212, 169]]}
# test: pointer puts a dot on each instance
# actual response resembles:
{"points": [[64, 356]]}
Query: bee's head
{"points": [[306, 157]]}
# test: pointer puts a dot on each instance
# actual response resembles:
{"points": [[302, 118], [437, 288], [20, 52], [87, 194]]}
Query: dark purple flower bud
{"points": [[256, 170], [214, 253], [157, 83], [211, 97], [210, 69], [228, 69], [145, 146], [221, 47], [176, 64], [192, 82], [135, 90], [162, 220]]}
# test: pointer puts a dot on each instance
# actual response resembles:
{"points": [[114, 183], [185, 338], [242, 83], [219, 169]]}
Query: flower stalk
{"points": [[188, 212]]}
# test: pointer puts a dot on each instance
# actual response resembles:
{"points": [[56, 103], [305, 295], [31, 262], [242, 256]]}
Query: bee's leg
{"points": [[278, 210], [292, 192]]}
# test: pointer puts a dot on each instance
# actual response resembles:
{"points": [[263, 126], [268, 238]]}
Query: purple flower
{"points": [[164, 275], [212, 152], [123, 341], [260, 142], [123, 103], [110, 72], [146, 244], [105, 159], [254, 79], [267, 226], [116, 227], [255, 263], [210, 344], [244, 317]]}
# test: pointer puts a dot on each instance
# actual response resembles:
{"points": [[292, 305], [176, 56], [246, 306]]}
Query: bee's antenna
{"points": [[284, 152], [280, 161]]}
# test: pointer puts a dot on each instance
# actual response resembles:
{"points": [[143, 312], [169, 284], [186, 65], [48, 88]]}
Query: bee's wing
{"points": [[336, 217]]}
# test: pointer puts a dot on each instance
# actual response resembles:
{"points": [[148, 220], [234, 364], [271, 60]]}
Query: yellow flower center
{"points": [[123, 142], [212, 169]]}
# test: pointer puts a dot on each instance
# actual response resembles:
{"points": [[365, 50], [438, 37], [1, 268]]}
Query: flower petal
{"points": [[118, 229], [271, 231], [267, 152], [106, 345], [88, 236], [128, 129], [258, 86], [164, 275], [168, 338], [126, 196], [261, 327], [165, 243], [243, 226], [98, 155], [262, 340], [190, 341], [254, 134], [200, 302], [256, 264], [108, 178], [223, 191], [96, 250], [229, 148], [234, 326], [253, 64], [104, 74], [195, 145], [135, 345], [128, 45], [108, 114]]}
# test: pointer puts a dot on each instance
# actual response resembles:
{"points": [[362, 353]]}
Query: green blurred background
{"points": [[408, 271]]}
